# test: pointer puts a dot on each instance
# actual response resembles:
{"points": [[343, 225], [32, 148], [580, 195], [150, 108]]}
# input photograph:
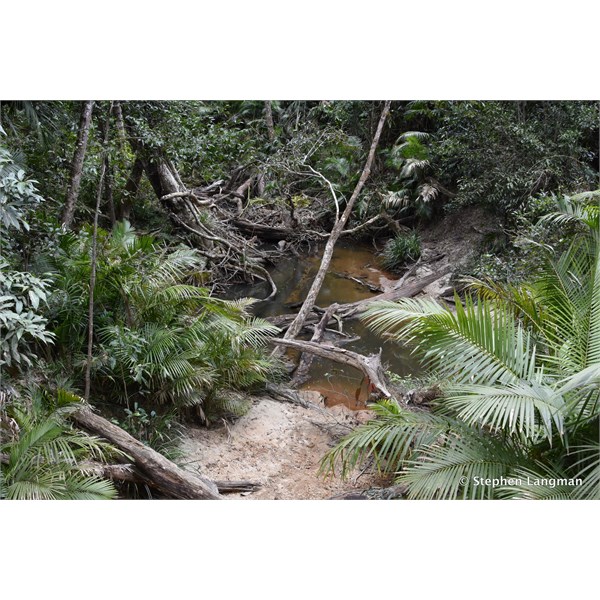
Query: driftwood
{"points": [[301, 373], [237, 487], [363, 282], [160, 472], [353, 310], [370, 365], [285, 394]]}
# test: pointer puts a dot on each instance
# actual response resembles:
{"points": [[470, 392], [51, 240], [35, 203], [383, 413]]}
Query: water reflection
{"points": [[293, 277]]}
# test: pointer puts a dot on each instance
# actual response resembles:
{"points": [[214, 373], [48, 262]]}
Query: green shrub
{"points": [[402, 249]]}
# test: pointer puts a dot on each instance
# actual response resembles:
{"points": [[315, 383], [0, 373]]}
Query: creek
{"points": [[293, 276]]}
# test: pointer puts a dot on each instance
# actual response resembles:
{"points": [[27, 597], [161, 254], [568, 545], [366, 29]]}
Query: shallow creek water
{"points": [[293, 277]]}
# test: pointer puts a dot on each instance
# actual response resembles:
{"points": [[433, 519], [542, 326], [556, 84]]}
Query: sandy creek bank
{"points": [[280, 445]]}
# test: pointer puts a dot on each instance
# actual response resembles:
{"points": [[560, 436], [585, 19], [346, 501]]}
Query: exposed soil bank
{"points": [[280, 446]]}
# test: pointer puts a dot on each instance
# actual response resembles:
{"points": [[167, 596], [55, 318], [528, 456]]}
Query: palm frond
{"points": [[412, 166], [479, 343], [390, 438], [587, 468], [463, 464], [547, 482], [524, 407], [522, 297]]}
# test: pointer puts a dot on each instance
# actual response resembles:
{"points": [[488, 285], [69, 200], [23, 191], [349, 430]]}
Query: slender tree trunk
{"points": [[125, 205], [311, 297], [110, 178], [269, 121], [88, 366], [77, 164]]}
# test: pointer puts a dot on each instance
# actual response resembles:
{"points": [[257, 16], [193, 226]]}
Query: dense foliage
{"points": [[123, 294], [521, 371]]}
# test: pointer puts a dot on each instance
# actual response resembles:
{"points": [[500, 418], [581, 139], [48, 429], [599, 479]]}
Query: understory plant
{"points": [[43, 457], [159, 337], [400, 250], [521, 364]]}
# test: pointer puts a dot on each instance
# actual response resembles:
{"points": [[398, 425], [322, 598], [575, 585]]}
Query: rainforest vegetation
{"points": [[139, 248]]}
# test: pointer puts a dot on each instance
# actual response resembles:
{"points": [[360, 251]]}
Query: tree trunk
{"points": [[125, 204], [108, 195], [77, 164], [269, 121], [88, 365], [311, 297], [164, 475]]}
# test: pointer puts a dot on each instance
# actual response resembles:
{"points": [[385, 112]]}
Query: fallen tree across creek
{"points": [[353, 310], [370, 365]]}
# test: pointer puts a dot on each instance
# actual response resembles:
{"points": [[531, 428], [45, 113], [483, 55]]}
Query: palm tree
{"points": [[521, 366], [161, 337], [43, 457], [410, 157]]}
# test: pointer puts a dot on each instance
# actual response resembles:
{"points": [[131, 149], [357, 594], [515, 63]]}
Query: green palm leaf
{"points": [[523, 407], [463, 464], [390, 439], [479, 343]]}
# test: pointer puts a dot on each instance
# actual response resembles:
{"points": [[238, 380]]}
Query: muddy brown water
{"points": [[293, 276]]}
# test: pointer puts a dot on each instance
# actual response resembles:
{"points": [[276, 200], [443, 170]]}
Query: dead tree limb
{"points": [[301, 373], [311, 297], [370, 365], [160, 472], [362, 225]]}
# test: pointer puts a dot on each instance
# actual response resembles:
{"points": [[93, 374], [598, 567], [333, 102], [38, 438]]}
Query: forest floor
{"points": [[281, 445]]}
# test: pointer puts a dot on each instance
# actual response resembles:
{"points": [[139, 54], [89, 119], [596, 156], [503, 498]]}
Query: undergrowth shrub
{"points": [[402, 249]]}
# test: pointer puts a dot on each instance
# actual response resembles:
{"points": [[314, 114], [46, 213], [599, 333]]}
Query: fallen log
{"points": [[160, 472], [265, 232], [370, 365], [128, 473], [353, 310]]}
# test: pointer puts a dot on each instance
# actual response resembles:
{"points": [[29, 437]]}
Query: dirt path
{"points": [[279, 445]]}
